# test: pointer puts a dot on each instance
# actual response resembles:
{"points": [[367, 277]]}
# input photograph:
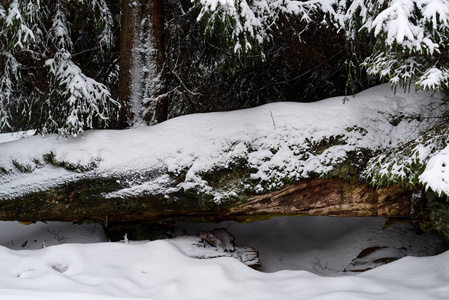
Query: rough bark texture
{"points": [[153, 57], [82, 201], [127, 35], [142, 56], [335, 197]]}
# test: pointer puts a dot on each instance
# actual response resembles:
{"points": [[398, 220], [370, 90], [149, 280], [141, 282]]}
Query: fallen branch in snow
{"points": [[220, 243], [212, 244]]}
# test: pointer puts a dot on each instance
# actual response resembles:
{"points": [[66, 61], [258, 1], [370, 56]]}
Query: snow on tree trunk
{"points": [[141, 63]]}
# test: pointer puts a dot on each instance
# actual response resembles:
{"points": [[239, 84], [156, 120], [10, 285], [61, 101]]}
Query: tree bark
{"points": [[127, 36], [84, 201], [142, 55]]}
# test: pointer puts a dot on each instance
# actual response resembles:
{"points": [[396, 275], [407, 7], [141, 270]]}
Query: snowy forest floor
{"points": [[302, 258]]}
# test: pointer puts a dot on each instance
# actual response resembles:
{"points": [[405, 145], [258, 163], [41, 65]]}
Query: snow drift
{"points": [[158, 270]]}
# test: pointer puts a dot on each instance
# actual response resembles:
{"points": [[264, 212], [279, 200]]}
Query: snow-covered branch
{"points": [[403, 31], [83, 101], [60, 32], [105, 22], [36, 31]]}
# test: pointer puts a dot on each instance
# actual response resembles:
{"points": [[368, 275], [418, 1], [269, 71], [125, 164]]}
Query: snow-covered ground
{"points": [[14, 136], [327, 246], [294, 252]]}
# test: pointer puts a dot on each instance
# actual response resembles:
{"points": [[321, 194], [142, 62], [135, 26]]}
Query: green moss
{"points": [[38, 163], [353, 165], [233, 183], [322, 145], [231, 176], [439, 214], [50, 158], [358, 129], [22, 168]]}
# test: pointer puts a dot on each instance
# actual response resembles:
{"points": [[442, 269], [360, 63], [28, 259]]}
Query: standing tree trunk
{"points": [[141, 84]]}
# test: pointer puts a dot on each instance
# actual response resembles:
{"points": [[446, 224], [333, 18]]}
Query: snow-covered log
{"points": [[277, 159]]}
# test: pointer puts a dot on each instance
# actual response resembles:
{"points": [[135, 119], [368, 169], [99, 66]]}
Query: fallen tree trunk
{"points": [[284, 159], [84, 201]]}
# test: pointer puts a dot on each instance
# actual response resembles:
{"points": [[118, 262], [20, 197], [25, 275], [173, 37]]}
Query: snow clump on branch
{"points": [[408, 33]]}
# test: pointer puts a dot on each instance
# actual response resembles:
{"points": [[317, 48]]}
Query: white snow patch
{"points": [[436, 174], [13, 136], [159, 270]]}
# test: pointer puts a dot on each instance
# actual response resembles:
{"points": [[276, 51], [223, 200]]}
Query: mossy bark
{"points": [[437, 218], [84, 200]]}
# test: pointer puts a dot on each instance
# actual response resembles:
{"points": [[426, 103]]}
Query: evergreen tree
{"points": [[59, 60], [42, 86], [410, 37], [205, 74]]}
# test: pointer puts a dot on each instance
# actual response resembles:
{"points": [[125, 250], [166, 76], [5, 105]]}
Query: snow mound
{"points": [[436, 174], [158, 270]]}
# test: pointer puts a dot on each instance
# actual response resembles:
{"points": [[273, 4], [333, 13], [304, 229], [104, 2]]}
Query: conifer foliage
{"points": [[59, 58], [42, 85], [410, 37]]}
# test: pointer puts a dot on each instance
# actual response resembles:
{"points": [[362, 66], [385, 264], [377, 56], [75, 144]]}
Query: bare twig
{"points": [[272, 118]]}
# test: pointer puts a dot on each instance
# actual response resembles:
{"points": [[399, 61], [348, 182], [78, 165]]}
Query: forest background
{"points": [[70, 65]]}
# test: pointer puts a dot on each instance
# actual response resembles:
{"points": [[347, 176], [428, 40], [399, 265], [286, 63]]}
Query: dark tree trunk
{"points": [[156, 104], [127, 36], [142, 78]]}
